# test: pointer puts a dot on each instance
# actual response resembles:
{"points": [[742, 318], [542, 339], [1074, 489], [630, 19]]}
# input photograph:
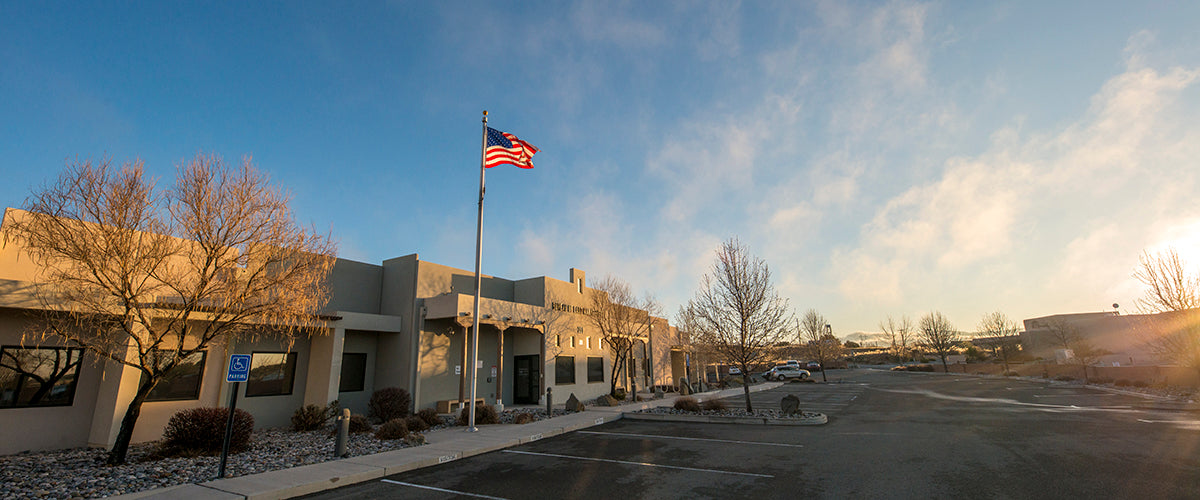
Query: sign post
{"points": [[239, 371]]}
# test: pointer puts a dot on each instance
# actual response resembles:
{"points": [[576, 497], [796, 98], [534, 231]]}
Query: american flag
{"points": [[503, 147]]}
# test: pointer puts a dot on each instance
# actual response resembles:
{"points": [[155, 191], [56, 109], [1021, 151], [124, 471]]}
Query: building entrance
{"points": [[526, 380]]}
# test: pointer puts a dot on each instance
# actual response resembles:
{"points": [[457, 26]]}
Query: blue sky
{"points": [[885, 158]]}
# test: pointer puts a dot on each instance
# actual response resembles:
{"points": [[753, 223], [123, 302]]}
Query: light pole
{"points": [[828, 331]]}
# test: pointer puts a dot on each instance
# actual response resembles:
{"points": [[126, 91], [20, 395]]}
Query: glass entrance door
{"points": [[526, 380]]}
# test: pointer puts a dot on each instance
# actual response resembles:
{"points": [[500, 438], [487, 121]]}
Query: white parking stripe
{"points": [[443, 490], [688, 438], [646, 464]]}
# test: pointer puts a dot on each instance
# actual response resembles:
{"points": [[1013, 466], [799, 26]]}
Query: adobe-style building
{"points": [[1125, 337], [403, 323]]}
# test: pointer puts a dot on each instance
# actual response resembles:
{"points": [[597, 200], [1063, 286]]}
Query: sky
{"points": [[883, 158]]}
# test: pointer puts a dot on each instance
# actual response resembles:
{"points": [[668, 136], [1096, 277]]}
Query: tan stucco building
{"points": [[403, 323]]}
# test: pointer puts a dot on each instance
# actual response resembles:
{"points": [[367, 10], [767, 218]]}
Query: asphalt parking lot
{"points": [[890, 435]]}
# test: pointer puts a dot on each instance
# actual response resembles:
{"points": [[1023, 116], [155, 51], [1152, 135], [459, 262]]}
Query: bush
{"points": [[687, 403], [389, 403], [803, 381], [416, 424], [1011, 374], [395, 428], [430, 416], [713, 405], [1140, 383], [202, 430], [1123, 383], [523, 418], [1064, 378], [619, 393], [313, 417], [484, 414], [359, 424]]}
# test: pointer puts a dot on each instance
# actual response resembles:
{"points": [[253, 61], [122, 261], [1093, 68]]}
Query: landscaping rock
{"points": [[573, 403], [790, 405], [607, 400]]}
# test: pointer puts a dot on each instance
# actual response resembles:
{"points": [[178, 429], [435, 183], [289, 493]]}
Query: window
{"points": [[354, 372], [595, 369], [589, 342], [181, 382], [43, 376], [558, 341], [564, 370], [572, 341], [271, 374]]}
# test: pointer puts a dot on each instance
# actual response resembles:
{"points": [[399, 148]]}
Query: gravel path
{"points": [[81, 473]]}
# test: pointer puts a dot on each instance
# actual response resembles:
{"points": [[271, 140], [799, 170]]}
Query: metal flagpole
{"points": [[478, 280]]}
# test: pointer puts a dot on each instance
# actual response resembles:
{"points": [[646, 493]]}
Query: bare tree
{"points": [[1082, 352], [737, 312], [901, 334], [1174, 333], [815, 343], [146, 279], [622, 320], [939, 335], [997, 324]]}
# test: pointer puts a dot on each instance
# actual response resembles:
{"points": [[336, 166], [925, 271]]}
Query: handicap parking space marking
{"points": [[641, 464], [626, 434], [443, 490]]}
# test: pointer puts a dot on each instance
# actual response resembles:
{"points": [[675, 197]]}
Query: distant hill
{"points": [[865, 339]]}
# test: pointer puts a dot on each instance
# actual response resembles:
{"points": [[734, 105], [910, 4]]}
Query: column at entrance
{"points": [[500, 366]]}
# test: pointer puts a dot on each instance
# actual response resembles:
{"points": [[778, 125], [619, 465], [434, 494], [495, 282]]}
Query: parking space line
{"points": [[646, 464], [443, 490], [626, 434]]}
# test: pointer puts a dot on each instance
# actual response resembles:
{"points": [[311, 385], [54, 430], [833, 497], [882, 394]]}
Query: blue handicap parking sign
{"points": [[239, 368]]}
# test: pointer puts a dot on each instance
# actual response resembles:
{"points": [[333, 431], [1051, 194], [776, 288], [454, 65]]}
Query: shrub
{"points": [[484, 414], [1011, 374], [430, 416], [1064, 378], [1140, 383], [523, 418], [1123, 383], [359, 424], [687, 403], [395, 428], [202, 430], [713, 405], [389, 403], [313, 417], [619, 393], [416, 424]]}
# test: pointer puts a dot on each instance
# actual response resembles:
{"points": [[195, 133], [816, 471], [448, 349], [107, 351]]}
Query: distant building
{"points": [[1123, 336]]}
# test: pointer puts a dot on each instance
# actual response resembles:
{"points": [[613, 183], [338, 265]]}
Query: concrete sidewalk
{"points": [[443, 445]]}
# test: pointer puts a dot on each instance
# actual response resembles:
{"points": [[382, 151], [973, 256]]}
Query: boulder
{"points": [[607, 400], [790, 405], [658, 393], [414, 439], [573, 403], [684, 388]]}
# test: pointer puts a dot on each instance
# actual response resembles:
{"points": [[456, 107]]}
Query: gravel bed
{"points": [[81, 472]]}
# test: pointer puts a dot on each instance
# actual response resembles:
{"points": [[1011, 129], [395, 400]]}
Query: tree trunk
{"points": [[746, 392], [120, 448], [945, 367]]}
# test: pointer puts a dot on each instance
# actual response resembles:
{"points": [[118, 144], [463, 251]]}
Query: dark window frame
{"points": [[290, 360], [561, 374], [591, 374], [150, 398], [362, 381], [74, 357]]}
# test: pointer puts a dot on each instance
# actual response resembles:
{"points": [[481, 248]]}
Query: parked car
{"points": [[733, 370], [813, 366], [783, 372]]}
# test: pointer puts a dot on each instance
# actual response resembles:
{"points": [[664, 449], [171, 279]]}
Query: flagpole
{"points": [[478, 280]]}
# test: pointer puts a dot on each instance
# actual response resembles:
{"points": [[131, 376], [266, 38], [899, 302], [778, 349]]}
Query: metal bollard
{"points": [[343, 434], [549, 403]]}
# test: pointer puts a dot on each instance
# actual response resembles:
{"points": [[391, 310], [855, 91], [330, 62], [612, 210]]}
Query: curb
{"points": [[820, 419]]}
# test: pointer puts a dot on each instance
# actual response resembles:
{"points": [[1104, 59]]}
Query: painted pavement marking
{"points": [[628, 434], [443, 490], [644, 464]]}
